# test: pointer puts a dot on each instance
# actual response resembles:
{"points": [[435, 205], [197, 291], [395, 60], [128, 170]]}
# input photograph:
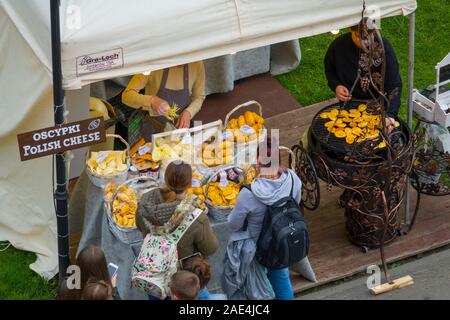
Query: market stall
{"points": [[231, 26]]}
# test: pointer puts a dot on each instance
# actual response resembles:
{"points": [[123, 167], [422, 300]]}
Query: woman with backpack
{"points": [[273, 183], [167, 215]]}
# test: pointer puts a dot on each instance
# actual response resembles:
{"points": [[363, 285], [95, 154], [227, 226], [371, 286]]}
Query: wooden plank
{"points": [[263, 88], [292, 124], [302, 115], [396, 284]]}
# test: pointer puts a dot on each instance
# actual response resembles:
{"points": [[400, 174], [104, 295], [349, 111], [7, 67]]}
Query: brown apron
{"points": [[180, 97]]}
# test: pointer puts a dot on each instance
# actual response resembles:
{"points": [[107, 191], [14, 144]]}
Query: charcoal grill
{"points": [[364, 174], [327, 139], [347, 159]]}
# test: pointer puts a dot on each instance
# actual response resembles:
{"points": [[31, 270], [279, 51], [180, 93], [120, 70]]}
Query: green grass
{"points": [[307, 83], [18, 281], [394, 265]]}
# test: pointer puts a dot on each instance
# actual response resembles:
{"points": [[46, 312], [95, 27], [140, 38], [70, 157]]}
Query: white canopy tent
{"points": [[145, 35]]}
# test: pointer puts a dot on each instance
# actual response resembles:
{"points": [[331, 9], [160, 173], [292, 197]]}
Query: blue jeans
{"points": [[150, 297], [281, 283], [204, 294]]}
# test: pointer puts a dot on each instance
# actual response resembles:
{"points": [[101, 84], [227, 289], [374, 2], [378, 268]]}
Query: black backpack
{"points": [[284, 238]]}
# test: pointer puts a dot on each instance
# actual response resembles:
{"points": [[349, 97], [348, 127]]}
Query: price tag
{"points": [[187, 139], [223, 179], [102, 156], [247, 130], [196, 183], [227, 135], [143, 150]]}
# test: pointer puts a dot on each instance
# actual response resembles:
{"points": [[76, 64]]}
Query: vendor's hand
{"points": [[342, 93], [390, 124], [114, 281], [184, 120], [159, 106]]}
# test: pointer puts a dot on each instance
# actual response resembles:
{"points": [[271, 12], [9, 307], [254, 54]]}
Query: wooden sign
{"points": [[44, 142]]}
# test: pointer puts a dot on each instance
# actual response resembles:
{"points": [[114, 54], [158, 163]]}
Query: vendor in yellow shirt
{"points": [[182, 85]]}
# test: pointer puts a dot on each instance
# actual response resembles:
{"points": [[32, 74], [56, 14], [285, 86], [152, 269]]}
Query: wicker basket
{"points": [[131, 234], [292, 157], [102, 180], [220, 213], [246, 152]]}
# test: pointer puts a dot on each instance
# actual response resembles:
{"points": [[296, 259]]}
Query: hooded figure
{"points": [[251, 206], [248, 215]]}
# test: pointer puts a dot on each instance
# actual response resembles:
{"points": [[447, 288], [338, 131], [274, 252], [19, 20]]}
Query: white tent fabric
{"points": [[157, 34], [27, 216], [152, 35]]}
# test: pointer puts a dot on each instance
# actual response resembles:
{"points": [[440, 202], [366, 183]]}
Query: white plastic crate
{"points": [[423, 106], [438, 110]]}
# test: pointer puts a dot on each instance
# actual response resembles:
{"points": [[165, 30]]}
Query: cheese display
{"points": [[198, 187], [124, 205], [107, 163], [224, 189], [142, 159], [172, 148], [199, 192], [354, 125], [223, 195], [218, 154], [250, 175], [246, 127]]}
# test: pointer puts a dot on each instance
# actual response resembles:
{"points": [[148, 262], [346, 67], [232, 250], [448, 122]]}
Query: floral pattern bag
{"points": [[158, 258]]}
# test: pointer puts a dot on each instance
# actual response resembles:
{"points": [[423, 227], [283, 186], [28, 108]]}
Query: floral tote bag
{"points": [[158, 258]]}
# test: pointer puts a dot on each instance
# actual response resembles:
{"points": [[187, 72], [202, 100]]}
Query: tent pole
{"points": [[412, 22], [60, 193]]}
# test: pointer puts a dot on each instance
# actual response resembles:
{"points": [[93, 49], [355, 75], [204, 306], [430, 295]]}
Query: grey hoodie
{"points": [[251, 206]]}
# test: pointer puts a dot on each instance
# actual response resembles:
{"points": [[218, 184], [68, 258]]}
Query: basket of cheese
{"points": [[108, 166], [199, 181], [247, 131], [142, 160], [219, 152], [222, 190], [121, 204]]}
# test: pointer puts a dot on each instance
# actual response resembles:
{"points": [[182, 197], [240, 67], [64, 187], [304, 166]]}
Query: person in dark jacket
{"points": [[342, 61]]}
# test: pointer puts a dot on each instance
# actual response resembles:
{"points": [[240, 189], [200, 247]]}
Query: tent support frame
{"points": [[60, 193], [412, 25]]}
